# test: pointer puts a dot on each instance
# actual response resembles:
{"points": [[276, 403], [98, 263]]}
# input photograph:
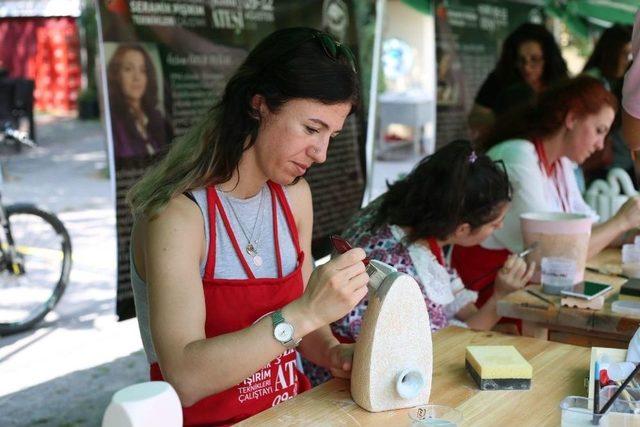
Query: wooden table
{"points": [[602, 328], [559, 370]]}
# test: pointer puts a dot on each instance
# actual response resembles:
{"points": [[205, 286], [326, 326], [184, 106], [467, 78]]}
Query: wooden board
{"points": [[559, 370], [559, 321]]}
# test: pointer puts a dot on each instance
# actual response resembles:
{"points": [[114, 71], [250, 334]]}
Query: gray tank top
{"points": [[228, 265]]}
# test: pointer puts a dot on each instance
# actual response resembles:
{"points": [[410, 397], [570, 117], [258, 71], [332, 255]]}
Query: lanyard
{"points": [[436, 250], [556, 173]]}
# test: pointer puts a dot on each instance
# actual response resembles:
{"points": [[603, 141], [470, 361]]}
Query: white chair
{"points": [[149, 404]]}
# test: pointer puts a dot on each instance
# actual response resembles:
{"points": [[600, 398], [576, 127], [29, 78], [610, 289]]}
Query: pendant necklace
{"points": [[252, 244]]}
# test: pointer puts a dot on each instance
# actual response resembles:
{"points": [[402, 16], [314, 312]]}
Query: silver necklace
{"points": [[252, 245]]}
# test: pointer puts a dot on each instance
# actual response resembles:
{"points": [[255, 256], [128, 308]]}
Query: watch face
{"points": [[283, 332]]}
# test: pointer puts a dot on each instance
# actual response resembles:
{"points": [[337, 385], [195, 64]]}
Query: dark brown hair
{"points": [[453, 186]]}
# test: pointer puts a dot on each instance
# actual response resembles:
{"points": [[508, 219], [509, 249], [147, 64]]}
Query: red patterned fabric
{"points": [[46, 50]]}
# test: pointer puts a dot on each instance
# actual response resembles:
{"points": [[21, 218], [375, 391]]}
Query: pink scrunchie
{"points": [[631, 87]]}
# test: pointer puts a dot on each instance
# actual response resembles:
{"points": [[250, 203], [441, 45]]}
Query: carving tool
{"points": [[522, 254], [376, 270], [540, 297]]}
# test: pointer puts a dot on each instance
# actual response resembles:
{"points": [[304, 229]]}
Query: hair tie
{"points": [[472, 157]]}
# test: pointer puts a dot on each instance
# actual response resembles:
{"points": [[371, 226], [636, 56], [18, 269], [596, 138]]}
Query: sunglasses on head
{"points": [[334, 49]]}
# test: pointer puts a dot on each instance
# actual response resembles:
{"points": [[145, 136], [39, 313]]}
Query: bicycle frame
{"points": [[9, 254]]}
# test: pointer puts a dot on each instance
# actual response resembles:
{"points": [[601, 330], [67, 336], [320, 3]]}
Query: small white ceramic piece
{"points": [[409, 383], [153, 403]]}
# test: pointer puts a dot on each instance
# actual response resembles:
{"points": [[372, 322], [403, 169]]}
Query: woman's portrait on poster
{"points": [[139, 128]]}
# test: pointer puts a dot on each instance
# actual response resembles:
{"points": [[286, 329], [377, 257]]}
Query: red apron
{"points": [[235, 304], [475, 262]]}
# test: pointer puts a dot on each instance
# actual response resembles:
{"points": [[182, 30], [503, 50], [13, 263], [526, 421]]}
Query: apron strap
{"points": [[284, 204], [232, 237], [276, 240], [210, 266]]}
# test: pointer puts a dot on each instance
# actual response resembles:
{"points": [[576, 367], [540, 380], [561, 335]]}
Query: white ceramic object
{"points": [[153, 403], [393, 358], [606, 197], [558, 234]]}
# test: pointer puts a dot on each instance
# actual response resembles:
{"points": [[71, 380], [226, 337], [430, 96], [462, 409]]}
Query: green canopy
{"points": [[423, 6], [605, 11]]}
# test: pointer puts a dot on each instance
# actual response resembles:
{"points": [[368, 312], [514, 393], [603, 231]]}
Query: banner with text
{"points": [[173, 58]]}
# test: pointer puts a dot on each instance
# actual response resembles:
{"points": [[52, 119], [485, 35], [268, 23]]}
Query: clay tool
{"points": [[538, 306], [540, 297], [522, 254], [604, 271], [619, 391], [376, 270]]}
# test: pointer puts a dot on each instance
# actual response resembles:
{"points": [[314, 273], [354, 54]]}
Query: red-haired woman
{"points": [[539, 145]]}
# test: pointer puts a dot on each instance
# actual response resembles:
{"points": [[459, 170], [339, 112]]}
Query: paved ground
{"points": [[64, 372]]}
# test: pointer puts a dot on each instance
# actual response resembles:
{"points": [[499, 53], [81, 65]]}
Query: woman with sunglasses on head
{"points": [[529, 62], [221, 262], [539, 145], [455, 196]]}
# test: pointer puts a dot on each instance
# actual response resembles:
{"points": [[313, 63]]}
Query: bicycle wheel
{"points": [[43, 251]]}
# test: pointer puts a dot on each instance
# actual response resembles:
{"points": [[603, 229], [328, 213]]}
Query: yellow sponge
{"points": [[498, 367], [624, 297]]}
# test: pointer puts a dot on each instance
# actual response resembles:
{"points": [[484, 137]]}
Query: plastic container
{"points": [[557, 274], [559, 234], [577, 411], [631, 260], [625, 411], [435, 415], [631, 308]]}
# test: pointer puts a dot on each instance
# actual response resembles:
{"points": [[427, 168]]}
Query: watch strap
{"points": [[277, 318]]}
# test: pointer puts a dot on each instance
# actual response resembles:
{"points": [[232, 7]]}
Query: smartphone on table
{"points": [[587, 290]]}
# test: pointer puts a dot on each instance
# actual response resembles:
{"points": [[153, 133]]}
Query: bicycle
{"points": [[35, 257]]}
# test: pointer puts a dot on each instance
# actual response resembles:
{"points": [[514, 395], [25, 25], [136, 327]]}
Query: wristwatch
{"points": [[283, 331]]}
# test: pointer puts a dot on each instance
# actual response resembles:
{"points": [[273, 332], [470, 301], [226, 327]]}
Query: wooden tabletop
{"points": [[522, 305], [559, 370]]}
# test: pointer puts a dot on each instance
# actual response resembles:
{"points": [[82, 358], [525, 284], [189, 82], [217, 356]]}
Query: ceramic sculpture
{"points": [[393, 358]]}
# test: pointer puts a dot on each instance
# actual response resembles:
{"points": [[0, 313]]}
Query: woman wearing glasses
{"points": [[529, 62], [455, 196], [539, 144], [221, 261]]}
